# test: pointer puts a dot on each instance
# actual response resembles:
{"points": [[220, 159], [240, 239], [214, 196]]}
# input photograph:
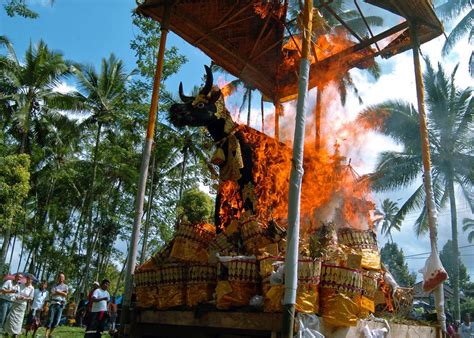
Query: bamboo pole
{"points": [[425, 146], [148, 210], [291, 259], [277, 106], [133, 248]]}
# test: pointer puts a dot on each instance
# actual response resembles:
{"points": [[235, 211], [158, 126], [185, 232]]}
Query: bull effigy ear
{"points": [[209, 80], [214, 95], [183, 97]]}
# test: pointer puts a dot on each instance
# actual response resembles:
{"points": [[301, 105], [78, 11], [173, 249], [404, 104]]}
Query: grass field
{"points": [[65, 332]]}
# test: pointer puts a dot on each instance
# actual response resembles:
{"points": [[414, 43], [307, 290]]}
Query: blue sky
{"points": [[82, 31]]}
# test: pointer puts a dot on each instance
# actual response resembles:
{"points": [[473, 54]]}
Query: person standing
{"points": [[81, 310], [34, 317], [112, 310], [15, 317], [99, 315], [466, 329], [7, 293], [58, 300], [87, 315]]}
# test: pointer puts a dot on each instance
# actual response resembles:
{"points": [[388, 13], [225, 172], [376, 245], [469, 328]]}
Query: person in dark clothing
{"points": [[81, 310]]}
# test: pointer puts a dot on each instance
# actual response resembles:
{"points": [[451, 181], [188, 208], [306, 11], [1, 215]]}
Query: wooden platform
{"points": [[206, 324], [220, 324]]}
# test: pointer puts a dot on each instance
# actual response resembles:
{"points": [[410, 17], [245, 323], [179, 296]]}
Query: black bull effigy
{"points": [[253, 167]]}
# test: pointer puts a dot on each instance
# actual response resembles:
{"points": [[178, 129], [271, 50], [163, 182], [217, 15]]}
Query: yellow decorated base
{"points": [[338, 309], [234, 294]]}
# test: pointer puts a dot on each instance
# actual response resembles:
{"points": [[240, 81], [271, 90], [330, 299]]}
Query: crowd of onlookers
{"points": [[45, 308]]}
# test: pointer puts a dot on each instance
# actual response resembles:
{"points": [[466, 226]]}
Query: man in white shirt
{"points": [[99, 315], [466, 329], [15, 317], [58, 300], [7, 294], [34, 317]]}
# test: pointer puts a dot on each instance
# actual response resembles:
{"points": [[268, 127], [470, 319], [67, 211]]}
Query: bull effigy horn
{"points": [[183, 97], [209, 80]]}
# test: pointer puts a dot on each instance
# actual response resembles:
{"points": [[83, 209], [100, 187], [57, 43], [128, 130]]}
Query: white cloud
{"points": [[64, 88]]}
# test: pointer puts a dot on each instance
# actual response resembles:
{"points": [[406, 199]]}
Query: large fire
{"points": [[332, 190]]}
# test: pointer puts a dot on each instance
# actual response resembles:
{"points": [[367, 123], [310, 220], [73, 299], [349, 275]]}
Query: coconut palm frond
{"points": [[463, 28]]}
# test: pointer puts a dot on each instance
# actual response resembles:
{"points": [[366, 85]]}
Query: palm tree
{"points": [[450, 131], [103, 95], [389, 223], [29, 89], [19, 7], [468, 225], [451, 10], [233, 85], [30, 102]]}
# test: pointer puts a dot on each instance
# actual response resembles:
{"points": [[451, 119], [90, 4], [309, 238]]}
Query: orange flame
{"points": [[331, 189]]}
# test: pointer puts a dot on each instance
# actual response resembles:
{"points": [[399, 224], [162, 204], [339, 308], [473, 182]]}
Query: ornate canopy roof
{"points": [[249, 39]]}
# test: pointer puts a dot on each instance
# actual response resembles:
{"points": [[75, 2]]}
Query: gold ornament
{"points": [[218, 157]]}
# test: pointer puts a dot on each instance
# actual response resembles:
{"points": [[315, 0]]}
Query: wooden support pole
{"points": [[296, 177], [425, 153], [277, 106], [133, 248]]}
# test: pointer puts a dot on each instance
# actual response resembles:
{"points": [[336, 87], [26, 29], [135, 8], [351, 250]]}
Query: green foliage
{"points": [[389, 223], [447, 258], [28, 89], [450, 116], [14, 187], [19, 7], [450, 10], [394, 260], [145, 44], [467, 306], [196, 206], [83, 175], [449, 121], [468, 226]]}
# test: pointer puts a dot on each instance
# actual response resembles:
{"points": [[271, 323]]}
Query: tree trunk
{"points": [[11, 253], [90, 246], [89, 254], [27, 260], [31, 268], [119, 279], [24, 136], [183, 173], [455, 263], [6, 243], [263, 114], [21, 255], [79, 228]]}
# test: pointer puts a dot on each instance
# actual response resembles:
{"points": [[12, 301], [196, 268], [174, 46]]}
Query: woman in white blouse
{"points": [[17, 312]]}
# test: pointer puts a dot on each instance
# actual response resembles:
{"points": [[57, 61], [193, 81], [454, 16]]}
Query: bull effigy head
{"points": [[199, 111]]}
